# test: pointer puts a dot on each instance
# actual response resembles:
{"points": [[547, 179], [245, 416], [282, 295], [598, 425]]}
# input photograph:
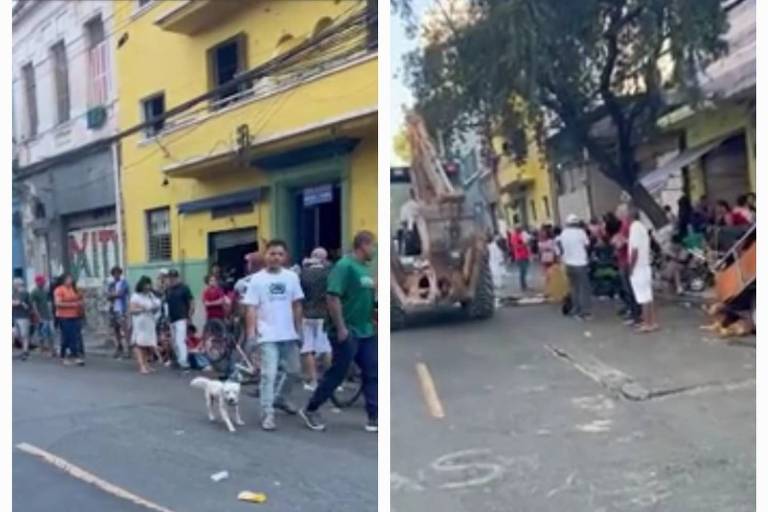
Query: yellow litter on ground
{"points": [[253, 497]]}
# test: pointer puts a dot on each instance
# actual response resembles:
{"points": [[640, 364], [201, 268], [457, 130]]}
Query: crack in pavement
{"points": [[624, 386]]}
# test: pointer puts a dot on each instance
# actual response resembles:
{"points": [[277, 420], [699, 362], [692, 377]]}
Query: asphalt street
{"points": [[544, 413], [149, 436]]}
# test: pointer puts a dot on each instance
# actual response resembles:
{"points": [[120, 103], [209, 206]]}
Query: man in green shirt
{"points": [[351, 295]]}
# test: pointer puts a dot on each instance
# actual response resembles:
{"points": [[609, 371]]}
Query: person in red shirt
{"points": [[214, 299], [521, 252], [742, 215], [196, 351]]}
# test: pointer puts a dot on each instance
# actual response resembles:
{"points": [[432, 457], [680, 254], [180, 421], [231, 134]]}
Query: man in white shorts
{"points": [[641, 274], [315, 343]]}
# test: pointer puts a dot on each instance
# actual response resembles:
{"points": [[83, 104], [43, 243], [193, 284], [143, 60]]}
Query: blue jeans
{"points": [[280, 369], [44, 333], [365, 352], [71, 337], [198, 361], [523, 267]]}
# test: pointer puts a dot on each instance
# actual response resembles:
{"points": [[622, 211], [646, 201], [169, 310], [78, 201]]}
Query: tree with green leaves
{"points": [[528, 68]]}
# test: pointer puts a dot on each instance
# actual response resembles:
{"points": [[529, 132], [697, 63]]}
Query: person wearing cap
{"points": [[41, 305], [574, 246], [181, 307], [21, 313], [118, 293]]}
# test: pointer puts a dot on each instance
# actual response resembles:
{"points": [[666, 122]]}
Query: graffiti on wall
{"points": [[92, 254]]}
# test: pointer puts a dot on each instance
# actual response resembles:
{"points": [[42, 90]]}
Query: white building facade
{"points": [[65, 179]]}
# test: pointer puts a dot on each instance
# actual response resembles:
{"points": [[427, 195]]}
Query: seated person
{"points": [[195, 351]]}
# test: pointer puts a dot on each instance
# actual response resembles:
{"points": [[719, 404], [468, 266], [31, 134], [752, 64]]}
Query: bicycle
{"points": [[223, 341], [350, 389]]}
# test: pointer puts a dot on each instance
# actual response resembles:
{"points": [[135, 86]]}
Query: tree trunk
{"points": [[643, 200]]}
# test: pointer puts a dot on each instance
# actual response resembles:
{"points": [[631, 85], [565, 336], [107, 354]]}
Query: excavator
{"points": [[450, 266]]}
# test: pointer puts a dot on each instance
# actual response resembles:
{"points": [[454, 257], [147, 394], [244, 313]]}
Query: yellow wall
{"points": [[153, 60], [363, 183], [534, 171]]}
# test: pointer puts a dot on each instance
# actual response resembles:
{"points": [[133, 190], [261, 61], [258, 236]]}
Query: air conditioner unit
{"points": [[96, 117]]}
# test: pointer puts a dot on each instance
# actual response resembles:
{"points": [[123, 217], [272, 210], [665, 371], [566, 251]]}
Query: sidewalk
{"points": [[679, 358]]}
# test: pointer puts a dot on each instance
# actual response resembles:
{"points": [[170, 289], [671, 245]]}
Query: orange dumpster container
{"points": [[731, 281]]}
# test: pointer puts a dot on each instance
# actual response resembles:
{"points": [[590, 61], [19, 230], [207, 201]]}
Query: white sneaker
{"points": [[308, 386]]}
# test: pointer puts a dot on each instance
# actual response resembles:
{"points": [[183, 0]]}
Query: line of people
{"points": [[294, 316]]}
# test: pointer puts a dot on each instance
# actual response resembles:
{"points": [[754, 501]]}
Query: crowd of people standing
{"points": [[294, 315], [619, 256]]}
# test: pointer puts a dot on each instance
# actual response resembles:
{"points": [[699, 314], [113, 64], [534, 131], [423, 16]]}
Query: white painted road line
{"points": [[89, 478], [429, 391]]}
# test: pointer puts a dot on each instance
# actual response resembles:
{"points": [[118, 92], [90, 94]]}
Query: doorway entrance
{"points": [[229, 248], [318, 219]]}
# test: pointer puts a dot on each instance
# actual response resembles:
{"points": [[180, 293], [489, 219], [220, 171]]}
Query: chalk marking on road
{"points": [[466, 462], [398, 482], [429, 391], [89, 478]]}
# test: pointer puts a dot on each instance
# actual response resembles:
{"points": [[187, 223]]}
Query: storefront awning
{"points": [[244, 196], [657, 179]]}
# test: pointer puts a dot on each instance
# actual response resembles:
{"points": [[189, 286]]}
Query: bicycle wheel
{"points": [[350, 390], [215, 340]]}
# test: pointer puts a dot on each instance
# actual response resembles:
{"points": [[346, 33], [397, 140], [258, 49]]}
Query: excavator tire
{"points": [[396, 315], [483, 304]]}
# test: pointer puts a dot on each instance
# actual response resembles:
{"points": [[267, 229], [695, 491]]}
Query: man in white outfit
{"points": [[641, 274]]}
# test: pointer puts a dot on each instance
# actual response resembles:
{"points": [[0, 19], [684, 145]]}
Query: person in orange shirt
{"points": [[69, 308]]}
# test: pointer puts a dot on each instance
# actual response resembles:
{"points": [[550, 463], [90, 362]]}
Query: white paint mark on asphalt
{"points": [[543, 432], [474, 468], [595, 427], [531, 389], [398, 482], [89, 478], [597, 404], [634, 436], [429, 391], [567, 485]]}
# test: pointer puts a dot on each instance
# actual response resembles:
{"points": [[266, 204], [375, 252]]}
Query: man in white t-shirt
{"points": [[574, 245], [274, 321], [640, 273]]}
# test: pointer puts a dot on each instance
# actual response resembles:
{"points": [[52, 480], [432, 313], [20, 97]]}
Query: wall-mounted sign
{"points": [[314, 196]]}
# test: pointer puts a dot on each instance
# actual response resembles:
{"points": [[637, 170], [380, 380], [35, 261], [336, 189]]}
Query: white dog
{"points": [[227, 394]]}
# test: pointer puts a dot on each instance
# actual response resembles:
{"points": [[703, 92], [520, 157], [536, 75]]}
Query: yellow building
{"points": [[525, 189], [290, 153]]}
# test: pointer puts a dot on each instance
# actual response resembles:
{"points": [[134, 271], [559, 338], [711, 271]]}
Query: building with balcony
{"points": [[64, 176], [284, 145], [525, 187]]}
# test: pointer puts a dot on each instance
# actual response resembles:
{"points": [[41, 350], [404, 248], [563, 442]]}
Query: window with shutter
{"points": [[159, 234], [30, 90], [61, 81]]}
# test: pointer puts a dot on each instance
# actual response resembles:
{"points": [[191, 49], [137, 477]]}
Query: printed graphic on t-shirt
{"points": [[277, 291]]}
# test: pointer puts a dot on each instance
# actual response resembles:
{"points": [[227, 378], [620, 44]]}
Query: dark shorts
{"points": [[117, 320]]}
